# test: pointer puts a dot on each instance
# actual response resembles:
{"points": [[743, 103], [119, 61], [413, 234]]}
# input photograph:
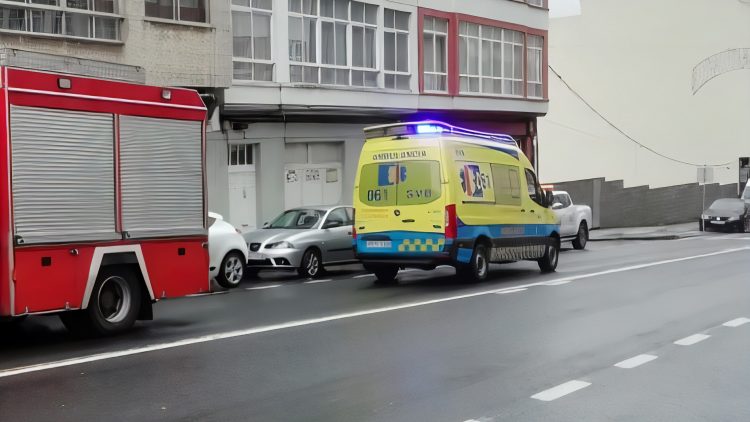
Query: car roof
{"points": [[320, 207], [559, 192]]}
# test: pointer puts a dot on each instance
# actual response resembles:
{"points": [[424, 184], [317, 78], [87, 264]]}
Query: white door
{"points": [[242, 203]]}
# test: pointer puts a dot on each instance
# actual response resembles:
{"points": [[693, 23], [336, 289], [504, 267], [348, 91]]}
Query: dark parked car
{"points": [[727, 214]]}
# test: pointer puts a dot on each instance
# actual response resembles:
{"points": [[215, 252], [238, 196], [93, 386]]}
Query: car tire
{"points": [[478, 267], [582, 237], [311, 265], [232, 270], [746, 228], [386, 274], [113, 306], [548, 263]]}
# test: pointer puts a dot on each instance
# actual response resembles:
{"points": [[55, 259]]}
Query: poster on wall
{"points": [[291, 176], [312, 175]]}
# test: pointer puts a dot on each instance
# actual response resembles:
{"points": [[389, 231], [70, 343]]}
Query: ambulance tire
{"points": [[478, 268], [548, 263], [113, 307], [386, 274]]}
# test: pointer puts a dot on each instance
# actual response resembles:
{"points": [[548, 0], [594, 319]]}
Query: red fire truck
{"points": [[102, 198]]}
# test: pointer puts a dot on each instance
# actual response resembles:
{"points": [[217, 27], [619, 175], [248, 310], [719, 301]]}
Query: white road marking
{"points": [[505, 292], [561, 390], [736, 322], [635, 362], [318, 281], [208, 294], [691, 340], [264, 287], [558, 282], [364, 275], [305, 322]]}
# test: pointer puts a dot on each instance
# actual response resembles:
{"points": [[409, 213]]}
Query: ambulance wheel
{"points": [[386, 274], [113, 307], [548, 263], [478, 267]]}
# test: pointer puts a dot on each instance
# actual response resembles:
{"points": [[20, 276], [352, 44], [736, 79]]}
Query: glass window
{"points": [[400, 183], [183, 10], [240, 155], [534, 52], [297, 219], [435, 49], [339, 214], [73, 19], [251, 28], [396, 49], [533, 188], [491, 60], [506, 181], [160, 9]]}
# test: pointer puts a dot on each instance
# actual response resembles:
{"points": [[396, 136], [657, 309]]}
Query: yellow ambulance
{"points": [[428, 194]]}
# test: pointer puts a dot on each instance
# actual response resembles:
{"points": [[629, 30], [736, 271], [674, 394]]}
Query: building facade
{"points": [[169, 42], [309, 75], [672, 76]]}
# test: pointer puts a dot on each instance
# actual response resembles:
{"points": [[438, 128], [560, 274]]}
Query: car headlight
{"points": [[280, 245], [735, 218]]}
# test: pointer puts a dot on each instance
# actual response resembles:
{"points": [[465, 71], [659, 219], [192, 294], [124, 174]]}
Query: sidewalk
{"points": [[670, 232]]}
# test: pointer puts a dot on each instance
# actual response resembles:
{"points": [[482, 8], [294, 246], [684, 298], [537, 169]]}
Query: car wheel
{"points": [[231, 271], [747, 225], [582, 237], [113, 307], [548, 263], [312, 265], [386, 274], [478, 267]]}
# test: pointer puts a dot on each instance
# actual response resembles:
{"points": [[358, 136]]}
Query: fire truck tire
{"points": [[113, 306]]}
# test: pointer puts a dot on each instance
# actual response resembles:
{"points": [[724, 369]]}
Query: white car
{"points": [[575, 220], [227, 252]]}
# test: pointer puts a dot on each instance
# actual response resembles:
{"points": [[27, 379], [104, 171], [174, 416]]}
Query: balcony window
{"points": [[251, 28], [396, 50], [95, 19], [491, 60], [180, 10], [435, 50]]}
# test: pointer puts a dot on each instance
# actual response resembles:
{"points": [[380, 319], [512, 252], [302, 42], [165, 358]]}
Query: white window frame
{"points": [[176, 14], [434, 34], [396, 31], [307, 64], [535, 50], [252, 11], [506, 39], [249, 150], [535, 3], [350, 40], [348, 37], [61, 7]]}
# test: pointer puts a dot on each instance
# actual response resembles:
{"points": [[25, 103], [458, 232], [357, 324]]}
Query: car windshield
{"points": [[727, 205], [297, 219]]}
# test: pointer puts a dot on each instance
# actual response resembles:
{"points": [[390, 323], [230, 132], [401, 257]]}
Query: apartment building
{"points": [[308, 75]]}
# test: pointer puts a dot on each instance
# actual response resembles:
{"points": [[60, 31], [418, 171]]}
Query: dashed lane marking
{"points": [[318, 281], [264, 287], [691, 340], [736, 322], [208, 294], [635, 361], [364, 276], [505, 292], [561, 390], [314, 321], [558, 282]]}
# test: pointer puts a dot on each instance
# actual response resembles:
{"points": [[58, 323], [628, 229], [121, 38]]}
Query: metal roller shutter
{"points": [[63, 175], [161, 176]]}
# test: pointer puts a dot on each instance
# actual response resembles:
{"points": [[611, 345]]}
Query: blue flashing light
{"points": [[422, 129]]}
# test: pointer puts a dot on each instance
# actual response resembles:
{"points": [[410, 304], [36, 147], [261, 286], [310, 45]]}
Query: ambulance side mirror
{"points": [[548, 198]]}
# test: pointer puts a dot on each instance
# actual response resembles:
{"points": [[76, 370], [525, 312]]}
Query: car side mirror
{"points": [[330, 224], [549, 198], [557, 206], [265, 224]]}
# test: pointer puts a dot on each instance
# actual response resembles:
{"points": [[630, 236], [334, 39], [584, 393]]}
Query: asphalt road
{"points": [[640, 330]]}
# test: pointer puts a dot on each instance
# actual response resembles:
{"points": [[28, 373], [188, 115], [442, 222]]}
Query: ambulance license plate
{"points": [[379, 244]]}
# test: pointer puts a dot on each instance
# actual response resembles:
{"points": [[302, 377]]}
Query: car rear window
{"points": [[400, 183]]}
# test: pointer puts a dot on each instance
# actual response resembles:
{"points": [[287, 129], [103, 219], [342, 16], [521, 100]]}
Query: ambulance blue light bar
{"points": [[433, 127]]}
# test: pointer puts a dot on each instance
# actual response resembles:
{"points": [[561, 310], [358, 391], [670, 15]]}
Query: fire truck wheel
{"points": [[113, 306]]}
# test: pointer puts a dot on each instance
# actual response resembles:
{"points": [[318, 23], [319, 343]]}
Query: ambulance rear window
{"points": [[400, 183]]}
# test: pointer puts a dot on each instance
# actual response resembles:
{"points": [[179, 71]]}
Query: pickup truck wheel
{"points": [[582, 237]]}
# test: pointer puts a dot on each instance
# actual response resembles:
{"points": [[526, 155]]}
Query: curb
{"points": [[646, 237]]}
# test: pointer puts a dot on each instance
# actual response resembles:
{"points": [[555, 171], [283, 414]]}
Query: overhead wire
{"points": [[623, 133]]}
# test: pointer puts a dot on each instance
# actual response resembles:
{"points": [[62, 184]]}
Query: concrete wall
{"points": [[633, 61], [614, 205], [172, 53]]}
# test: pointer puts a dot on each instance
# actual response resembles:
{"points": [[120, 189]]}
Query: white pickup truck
{"points": [[575, 220]]}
